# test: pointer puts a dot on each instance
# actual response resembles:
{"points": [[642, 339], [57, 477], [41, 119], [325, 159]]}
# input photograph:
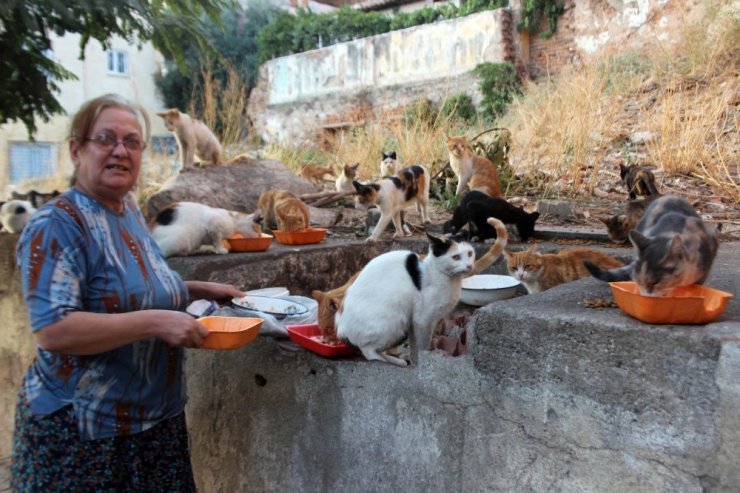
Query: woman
{"points": [[101, 408]]}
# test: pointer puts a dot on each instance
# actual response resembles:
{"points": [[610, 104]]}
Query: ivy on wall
{"points": [[295, 33], [533, 11]]}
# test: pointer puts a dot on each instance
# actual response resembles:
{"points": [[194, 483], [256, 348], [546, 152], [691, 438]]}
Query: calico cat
{"points": [[331, 301], [393, 193], [471, 169], [283, 211], [422, 292], [619, 226], [346, 177], [36, 198], [193, 136], [674, 248], [638, 180], [476, 207], [389, 164], [541, 271], [315, 173], [14, 215], [187, 228]]}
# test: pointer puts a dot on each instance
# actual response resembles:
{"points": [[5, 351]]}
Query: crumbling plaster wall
{"points": [[347, 83]]}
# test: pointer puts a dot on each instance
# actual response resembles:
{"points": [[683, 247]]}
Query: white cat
{"points": [[397, 294], [346, 176], [389, 164], [14, 214], [193, 136], [394, 193], [186, 228]]}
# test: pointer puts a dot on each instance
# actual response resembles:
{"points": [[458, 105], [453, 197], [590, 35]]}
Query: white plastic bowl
{"points": [[485, 288]]}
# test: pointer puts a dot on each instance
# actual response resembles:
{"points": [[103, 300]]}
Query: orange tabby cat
{"points": [[541, 271], [471, 169], [331, 301], [282, 209], [315, 173]]}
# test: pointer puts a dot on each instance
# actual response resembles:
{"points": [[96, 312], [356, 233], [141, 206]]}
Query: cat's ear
{"points": [[358, 186], [534, 249], [355, 166], [676, 249], [335, 303], [604, 220], [162, 114], [638, 239], [317, 295]]}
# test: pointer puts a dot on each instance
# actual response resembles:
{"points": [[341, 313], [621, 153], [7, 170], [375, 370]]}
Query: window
{"points": [[32, 160], [117, 62]]}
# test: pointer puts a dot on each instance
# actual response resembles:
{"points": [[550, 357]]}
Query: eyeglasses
{"points": [[109, 141]]}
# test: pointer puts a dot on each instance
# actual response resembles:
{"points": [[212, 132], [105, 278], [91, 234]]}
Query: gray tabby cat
{"points": [[674, 248]]}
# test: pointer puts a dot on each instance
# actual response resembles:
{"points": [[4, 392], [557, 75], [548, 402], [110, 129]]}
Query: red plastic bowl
{"points": [[305, 336]]}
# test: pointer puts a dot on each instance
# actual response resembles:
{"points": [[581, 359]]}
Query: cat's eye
{"points": [[456, 257], [108, 141]]}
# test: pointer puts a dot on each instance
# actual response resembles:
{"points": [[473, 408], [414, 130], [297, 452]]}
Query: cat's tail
{"points": [[623, 273], [496, 249]]}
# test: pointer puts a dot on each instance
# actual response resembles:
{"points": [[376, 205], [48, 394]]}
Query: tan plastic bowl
{"points": [[230, 332], [304, 237], [694, 304]]}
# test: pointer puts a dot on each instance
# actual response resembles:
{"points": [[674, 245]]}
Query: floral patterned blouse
{"points": [[76, 254]]}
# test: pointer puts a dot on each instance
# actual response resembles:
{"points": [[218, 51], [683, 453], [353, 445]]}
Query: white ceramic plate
{"points": [[271, 292], [276, 307]]}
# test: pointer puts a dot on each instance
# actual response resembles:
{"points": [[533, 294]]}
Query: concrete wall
{"points": [[297, 94], [552, 396], [348, 83]]}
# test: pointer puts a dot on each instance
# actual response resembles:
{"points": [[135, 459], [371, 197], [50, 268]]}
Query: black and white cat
{"points": [[476, 207], [393, 194], [376, 319], [389, 164], [14, 215], [186, 228], [674, 248]]}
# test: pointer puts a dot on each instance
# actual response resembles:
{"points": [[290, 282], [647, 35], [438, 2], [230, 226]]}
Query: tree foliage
{"points": [[29, 77], [499, 83]]}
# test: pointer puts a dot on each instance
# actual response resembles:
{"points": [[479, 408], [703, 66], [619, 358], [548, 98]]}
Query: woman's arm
{"points": [[204, 290], [82, 333]]}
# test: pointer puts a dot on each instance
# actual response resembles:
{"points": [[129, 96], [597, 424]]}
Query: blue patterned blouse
{"points": [[76, 254]]}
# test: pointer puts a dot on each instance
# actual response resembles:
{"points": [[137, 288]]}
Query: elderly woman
{"points": [[101, 407]]}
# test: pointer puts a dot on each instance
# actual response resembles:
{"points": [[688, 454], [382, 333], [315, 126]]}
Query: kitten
{"points": [[541, 271], [673, 248], [471, 169], [394, 193], [620, 225], [346, 177], [315, 173], [331, 301], [396, 295], [283, 211], [476, 207], [14, 215], [389, 164], [638, 180], [193, 136], [186, 228]]}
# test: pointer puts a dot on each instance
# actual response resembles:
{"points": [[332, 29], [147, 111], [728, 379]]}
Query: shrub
{"points": [[499, 83]]}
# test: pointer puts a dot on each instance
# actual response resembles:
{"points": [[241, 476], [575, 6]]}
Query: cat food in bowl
{"points": [[309, 337], [303, 237], [486, 288], [239, 243], [229, 332], [694, 304]]}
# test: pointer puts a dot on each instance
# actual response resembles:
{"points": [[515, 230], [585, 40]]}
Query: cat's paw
{"points": [[370, 239]]}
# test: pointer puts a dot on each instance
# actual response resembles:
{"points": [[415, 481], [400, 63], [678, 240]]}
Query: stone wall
{"points": [[349, 83]]}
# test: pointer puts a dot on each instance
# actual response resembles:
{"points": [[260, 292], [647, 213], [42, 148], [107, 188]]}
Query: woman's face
{"points": [[105, 170]]}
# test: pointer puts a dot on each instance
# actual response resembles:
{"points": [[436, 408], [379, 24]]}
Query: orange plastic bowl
{"points": [[309, 337], [258, 244], [694, 304], [303, 237], [229, 332]]}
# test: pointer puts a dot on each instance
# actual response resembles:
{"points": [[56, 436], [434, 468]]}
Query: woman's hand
{"points": [[178, 329], [215, 291]]}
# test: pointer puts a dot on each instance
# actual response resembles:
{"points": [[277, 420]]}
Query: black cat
{"points": [[476, 207]]}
